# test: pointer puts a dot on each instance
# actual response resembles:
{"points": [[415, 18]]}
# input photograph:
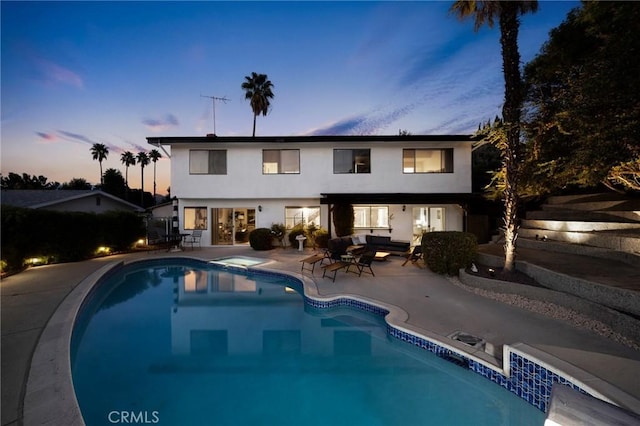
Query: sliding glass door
{"points": [[232, 225], [427, 219]]}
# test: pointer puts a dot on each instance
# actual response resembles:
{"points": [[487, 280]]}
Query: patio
{"points": [[434, 304]]}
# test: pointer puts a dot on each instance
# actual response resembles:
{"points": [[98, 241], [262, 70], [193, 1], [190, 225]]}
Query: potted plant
{"points": [[278, 231]]}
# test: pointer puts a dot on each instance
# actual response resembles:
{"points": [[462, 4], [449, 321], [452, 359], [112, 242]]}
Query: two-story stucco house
{"points": [[400, 186]]}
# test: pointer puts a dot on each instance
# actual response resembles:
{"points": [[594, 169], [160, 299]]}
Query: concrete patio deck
{"points": [[433, 303]]}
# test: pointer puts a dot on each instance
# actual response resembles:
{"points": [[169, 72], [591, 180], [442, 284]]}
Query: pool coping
{"points": [[50, 397]]}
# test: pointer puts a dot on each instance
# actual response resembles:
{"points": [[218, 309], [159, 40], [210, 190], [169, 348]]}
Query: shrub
{"points": [[295, 231], [63, 236], [447, 252], [278, 231], [322, 238], [261, 239]]}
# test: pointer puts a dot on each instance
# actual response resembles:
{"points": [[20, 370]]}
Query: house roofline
{"points": [[170, 140], [85, 195]]}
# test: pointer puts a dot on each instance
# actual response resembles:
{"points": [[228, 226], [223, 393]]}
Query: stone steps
{"points": [[578, 226], [622, 216], [608, 220], [609, 240]]}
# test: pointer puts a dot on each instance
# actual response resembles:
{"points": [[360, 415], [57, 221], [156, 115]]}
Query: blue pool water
{"points": [[186, 343]]}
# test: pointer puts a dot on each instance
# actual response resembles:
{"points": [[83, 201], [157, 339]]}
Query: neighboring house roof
{"points": [[156, 141], [39, 199]]}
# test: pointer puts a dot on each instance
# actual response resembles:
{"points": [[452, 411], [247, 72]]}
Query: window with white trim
{"points": [[195, 218], [301, 215], [280, 161], [208, 161], [351, 161], [371, 217], [427, 160]]}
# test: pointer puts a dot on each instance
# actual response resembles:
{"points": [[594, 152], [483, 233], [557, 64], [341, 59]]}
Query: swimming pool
{"points": [[183, 342]]}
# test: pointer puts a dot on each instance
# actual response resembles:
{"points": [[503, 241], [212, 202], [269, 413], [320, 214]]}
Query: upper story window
{"points": [[280, 161], [208, 162], [427, 160], [351, 161]]}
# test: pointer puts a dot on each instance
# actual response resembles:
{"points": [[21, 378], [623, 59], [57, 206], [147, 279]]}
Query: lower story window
{"points": [[195, 218], [371, 217], [301, 215]]}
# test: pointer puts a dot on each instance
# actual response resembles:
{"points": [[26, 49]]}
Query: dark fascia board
{"points": [[177, 140]]}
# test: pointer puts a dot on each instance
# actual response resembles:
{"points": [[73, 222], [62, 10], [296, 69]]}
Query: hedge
{"points": [[64, 236], [446, 252]]}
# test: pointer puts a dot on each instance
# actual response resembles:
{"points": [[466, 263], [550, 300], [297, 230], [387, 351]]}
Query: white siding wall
{"points": [[244, 176], [244, 185]]}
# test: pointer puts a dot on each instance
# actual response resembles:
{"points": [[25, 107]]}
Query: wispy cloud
{"points": [[79, 138], [162, 124], [136, 147], [53, 73], [47, 137], [75, 137]]}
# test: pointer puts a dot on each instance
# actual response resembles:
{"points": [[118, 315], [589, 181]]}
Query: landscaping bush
{"points": [[64, 236], [261, 239], [278, 231], [295, 231], [322, 238], [447, 252]]}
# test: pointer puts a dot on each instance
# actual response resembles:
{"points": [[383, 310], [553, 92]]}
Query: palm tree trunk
{"points": [[142, 187], [154, 182], [254, 124], [509, 25]]}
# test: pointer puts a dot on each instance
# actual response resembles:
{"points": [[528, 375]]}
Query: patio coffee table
{"points": [[381, 255]]}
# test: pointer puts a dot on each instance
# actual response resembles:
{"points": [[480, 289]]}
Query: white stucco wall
{"points": [[244, 176], [245, 186]]}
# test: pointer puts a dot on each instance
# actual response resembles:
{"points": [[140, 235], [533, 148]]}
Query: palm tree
{"points": [[258, 89], [143, 160], [128, 159], [507, 12], [99, 152], [154, 156]]}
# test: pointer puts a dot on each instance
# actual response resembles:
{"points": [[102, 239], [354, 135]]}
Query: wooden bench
{"points": [[334, 267], [311, 260]]}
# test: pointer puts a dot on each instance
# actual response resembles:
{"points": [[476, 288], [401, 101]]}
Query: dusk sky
{"points": [[79, 73]]}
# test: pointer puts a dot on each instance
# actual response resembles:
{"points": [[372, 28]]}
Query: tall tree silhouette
{"points": [[154, 155], [507, 13], [128, 159], [143, 159], [258, 90], [100, 152]]}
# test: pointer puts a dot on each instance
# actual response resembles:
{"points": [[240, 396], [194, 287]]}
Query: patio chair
{"points": [[193, 239], [414, 256], [364, 263]]}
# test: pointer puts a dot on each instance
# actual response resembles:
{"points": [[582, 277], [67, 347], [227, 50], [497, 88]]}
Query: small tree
{"points": [[343, 219]]}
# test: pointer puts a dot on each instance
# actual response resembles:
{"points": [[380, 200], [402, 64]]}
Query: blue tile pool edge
{"points": [[527, 372]]}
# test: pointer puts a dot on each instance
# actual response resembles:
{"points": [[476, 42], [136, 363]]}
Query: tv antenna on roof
{"points": [[213, 100]]}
